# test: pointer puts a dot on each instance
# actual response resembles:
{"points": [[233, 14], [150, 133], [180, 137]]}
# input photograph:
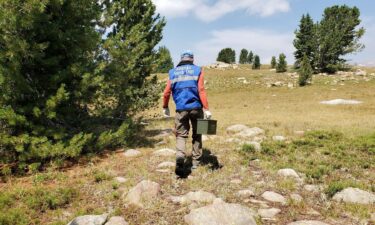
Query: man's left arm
{"points": [[203, 95]]}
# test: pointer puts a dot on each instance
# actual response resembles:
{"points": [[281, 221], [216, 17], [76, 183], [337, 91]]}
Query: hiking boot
{"points": [[180, 162]]}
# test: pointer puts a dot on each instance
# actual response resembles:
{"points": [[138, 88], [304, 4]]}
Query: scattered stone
{"points": [[341, 102], [355, 195], [311, 188], [221, 214], [194, 197], [144, 190], [245, 193], [116, 220], [165, 152], [274, 197], [278, 138], [121, 179], [236, 128], [308, 222], [236, 181], [268, 213], [296, 198], [132, 153], [250, 132], [89, 220], [288, 173], [166, 165]]}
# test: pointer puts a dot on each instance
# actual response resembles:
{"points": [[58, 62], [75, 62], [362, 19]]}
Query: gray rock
{"points": [[145, 190], [311, 188], [236, 128], [245, 193], [166, 165], [355, 195], [194, 197], [296, 197], [221, 214], [273, 197], [121, 179], [278, 138], [165, 152], [250, 132], [132, 153], [89, 220], [268, 213], [288, 173], [308, 222], [341, 102], [116, 220]]}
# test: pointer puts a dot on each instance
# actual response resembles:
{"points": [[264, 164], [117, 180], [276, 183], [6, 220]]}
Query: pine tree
{"points": [[227, 55], [273, 62], [305, 72], [250, 57], [282, 65], [164, 60], [338, 36], [64, 91], [243, 56], [256, 63], [305, 41]]}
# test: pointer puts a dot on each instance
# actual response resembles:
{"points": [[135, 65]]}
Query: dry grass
{"points": [[278, 110]]}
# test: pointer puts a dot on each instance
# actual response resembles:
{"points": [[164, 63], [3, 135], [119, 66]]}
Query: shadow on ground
{"points": [[208, 159]]}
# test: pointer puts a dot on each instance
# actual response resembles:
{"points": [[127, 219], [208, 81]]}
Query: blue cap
{"points": [[187, 55]]}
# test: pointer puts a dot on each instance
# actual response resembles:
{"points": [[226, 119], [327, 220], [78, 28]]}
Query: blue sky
{"points": [[264, 26]]}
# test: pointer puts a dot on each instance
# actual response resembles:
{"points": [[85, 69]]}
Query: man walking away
{"points": [[186, 84]]}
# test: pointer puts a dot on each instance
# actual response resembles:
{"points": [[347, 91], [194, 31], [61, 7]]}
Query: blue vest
{"points": [[184, 85]]}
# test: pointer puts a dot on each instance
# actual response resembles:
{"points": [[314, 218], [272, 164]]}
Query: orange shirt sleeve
{"points": [[202, 91], [167, 94]]}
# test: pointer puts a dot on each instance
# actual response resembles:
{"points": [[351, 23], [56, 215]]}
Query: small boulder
{"points": [[245, 193], [166, 165], [278, 138], [116, 220], [273, 197], [354, 195], [89, 220], [311, 188], [236, 181], [308, 222], [236, 128], [194, 197], [132, 153], [287, 173], [268, 213], [296, 198], [221, 214], [250, 132], [144, 190], [166, 152], [121, 179]]}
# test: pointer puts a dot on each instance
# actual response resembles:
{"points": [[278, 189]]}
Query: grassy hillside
{"points": [[334, 151]]}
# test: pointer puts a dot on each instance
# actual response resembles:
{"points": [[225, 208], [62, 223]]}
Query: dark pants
{"points": [[182, 123]]}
